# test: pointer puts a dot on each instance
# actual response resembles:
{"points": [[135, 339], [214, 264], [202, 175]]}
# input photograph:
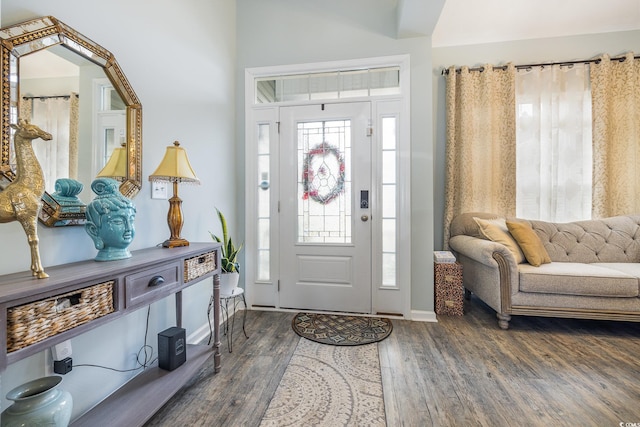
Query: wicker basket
{"points": [[199, 265], [33, 322]]}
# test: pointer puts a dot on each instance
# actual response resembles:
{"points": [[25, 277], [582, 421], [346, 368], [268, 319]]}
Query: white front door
{"points": [[325, 224]]}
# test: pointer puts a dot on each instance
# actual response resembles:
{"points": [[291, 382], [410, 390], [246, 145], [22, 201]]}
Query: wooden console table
{"points": [[148, 276]]}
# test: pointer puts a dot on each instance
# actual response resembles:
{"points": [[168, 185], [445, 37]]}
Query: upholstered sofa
{"points": [[593, 273]]}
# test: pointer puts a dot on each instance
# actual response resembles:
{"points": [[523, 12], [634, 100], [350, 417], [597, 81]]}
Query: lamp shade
{"points": [[116, 167], [175, 167]]}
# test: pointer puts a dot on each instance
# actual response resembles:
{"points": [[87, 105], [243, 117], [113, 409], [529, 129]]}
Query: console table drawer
{"points": [[149, 285]]}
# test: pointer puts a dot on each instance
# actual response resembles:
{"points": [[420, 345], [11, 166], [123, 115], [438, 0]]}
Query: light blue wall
{"points": [[180, 59], [283, 32], [518, 52], [186, 62]]}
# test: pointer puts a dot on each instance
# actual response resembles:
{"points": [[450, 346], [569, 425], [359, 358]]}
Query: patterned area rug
{"points": [[329, 386], [337, 329]]}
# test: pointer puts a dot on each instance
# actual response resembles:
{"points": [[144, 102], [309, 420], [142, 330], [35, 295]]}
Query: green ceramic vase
{"points": [[38, 403]]}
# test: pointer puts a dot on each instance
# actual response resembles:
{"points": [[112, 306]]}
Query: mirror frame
{"points": [[41, 33]]}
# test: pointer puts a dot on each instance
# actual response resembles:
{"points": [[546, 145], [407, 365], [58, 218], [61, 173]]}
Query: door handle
{"points": [[156, 281], [364, 218]]}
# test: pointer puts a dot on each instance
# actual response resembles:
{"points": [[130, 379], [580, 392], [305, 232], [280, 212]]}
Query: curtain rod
{"points": [[543, 64], [50, 97]]}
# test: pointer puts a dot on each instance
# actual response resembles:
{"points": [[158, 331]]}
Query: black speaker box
{"points": [[172, 348]]}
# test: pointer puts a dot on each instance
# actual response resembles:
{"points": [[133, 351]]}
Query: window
{"points": [[330, 85], [389, 201], [553, 136], [263, 270]]}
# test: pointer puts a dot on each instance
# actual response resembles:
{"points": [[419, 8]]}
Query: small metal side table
{"points": [[236, 297]]}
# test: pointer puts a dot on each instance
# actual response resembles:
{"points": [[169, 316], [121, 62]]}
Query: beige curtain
{"points": [[59, 117], [615, 89], [481, 142], [74, 129], [554, 154]]}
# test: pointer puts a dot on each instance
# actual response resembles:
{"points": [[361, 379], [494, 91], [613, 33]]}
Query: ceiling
{"points": [[46, 64], [464, 22]]}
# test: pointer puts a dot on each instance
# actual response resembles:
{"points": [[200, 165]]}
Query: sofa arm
{"points": [[481, 250], [489, 270]]}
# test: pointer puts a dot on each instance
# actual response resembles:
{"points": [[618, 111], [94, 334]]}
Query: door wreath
{"points": [[321, 177]]}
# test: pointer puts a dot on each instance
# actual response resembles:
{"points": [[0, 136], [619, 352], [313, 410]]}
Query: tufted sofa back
{"points": [[614, 239]]}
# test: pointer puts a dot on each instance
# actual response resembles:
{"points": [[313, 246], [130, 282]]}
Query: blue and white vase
{"points": [[38, 403]]}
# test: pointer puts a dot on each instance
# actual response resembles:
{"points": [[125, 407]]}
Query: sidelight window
{"points": [[263, 202]]}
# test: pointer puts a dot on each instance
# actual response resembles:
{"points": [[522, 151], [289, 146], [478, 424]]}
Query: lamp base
{"points": [[174, 243]]}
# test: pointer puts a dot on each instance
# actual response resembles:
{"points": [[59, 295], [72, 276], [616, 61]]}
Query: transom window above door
{"points": [[330, 85]]}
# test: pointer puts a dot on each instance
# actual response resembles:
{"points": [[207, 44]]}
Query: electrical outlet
{"points": [[159, 190], [61, 351]]}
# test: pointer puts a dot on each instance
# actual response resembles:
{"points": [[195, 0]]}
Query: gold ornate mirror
{"points": [[109, 114]]}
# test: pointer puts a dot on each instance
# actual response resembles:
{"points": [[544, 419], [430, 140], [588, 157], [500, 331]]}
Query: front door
{"points": [[325, 191]]}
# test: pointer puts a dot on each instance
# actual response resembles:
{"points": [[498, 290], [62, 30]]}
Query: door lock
{"points": [[364, 199], [364, 218]]}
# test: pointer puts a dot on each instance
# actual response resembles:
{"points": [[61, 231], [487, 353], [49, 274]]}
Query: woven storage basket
{"points": [[199, 265], [33, 322]]}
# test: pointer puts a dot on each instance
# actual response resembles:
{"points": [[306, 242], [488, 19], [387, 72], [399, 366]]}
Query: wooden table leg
{"points": [[216, 322], [178, 309]]}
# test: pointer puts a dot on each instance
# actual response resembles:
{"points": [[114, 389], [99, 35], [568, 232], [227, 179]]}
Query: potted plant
{"points": [[229, 258]]}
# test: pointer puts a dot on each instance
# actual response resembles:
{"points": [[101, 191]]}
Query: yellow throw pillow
{"points": [[496, 231], [529, 242]]}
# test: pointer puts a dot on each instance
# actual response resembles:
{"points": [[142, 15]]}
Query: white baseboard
{"points": [[423, 316], [199, 335], [203, 331]]}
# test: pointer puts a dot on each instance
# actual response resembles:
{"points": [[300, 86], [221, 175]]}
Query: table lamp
{"points": [[175, 168], [116, 167]]}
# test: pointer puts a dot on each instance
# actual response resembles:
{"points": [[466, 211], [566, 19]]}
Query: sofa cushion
{"points": [[569, 278], [529, 242], [630, 268], [496, 231]]}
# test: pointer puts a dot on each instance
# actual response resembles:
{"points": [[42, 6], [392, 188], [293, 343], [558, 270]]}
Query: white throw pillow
{"points": [[496, 230]]}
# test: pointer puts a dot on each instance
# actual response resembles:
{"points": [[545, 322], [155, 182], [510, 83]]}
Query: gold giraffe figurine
{"points": [[21, 199]]}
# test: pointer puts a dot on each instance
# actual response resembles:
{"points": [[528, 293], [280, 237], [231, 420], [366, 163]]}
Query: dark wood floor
{"points": [[461, 371]]}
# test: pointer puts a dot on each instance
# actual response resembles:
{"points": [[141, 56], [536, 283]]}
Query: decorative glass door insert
{"points": [[324, 186]]}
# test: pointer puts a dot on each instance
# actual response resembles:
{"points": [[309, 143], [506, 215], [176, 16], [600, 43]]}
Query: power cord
{"points": [[209, 319], [144, 349]]}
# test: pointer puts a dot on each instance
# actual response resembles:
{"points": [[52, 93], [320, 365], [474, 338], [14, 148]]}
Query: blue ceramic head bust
{"points": [[110, 220]]}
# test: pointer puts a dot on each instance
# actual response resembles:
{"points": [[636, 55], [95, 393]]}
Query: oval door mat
{"points": [[336, 329]]}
